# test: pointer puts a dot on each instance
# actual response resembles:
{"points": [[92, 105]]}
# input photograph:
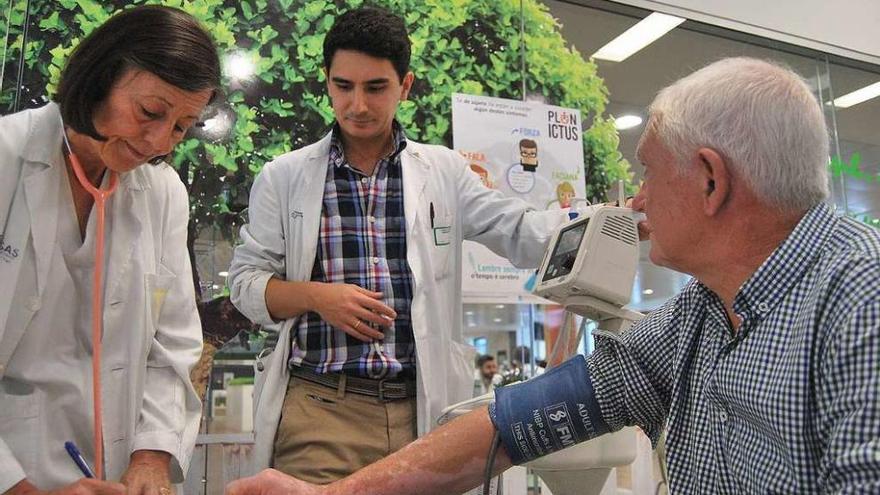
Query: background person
{"points": [[127, 95], [762, 370], [486, 375], [354, 245]]}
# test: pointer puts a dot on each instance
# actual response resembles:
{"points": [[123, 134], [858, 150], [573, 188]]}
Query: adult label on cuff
{"points": [[548, 413]]}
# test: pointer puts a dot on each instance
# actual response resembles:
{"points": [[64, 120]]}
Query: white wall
{"points": [[843, 27]]}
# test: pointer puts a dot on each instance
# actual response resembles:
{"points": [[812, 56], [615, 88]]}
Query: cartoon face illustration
{"points": [[483, 173], [564, 194], [528, 154]]}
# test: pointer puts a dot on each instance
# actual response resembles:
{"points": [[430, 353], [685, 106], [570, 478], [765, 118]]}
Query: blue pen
{"points": [[78, 459]]}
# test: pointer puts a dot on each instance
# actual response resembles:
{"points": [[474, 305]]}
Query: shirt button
{"points": [[371, 219], [33, 304], [763, 307], [365, 180], [375, 260], [722, 416]]}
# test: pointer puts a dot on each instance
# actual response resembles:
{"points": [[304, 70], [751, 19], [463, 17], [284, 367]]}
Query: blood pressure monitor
{"points": [[595, 255]]}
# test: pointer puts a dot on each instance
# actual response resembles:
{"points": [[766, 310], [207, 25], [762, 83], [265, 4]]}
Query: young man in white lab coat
{"points": [[354, 247]]}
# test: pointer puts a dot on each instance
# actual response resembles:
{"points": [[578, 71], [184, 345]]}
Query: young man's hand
{"points": [[352, 309]]}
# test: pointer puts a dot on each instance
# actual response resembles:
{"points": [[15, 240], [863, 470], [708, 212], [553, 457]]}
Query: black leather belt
{"points": [[385, 390]]}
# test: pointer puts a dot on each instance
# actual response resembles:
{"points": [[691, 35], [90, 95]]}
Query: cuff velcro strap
{"points": [[548, 413]]}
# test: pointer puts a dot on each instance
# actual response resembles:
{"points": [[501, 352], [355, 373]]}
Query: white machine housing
{"points": [[596, 254]]}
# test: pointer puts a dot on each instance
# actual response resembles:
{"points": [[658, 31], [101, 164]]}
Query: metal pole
{"points": [[20, 78], [5, 43], [522, 46]]}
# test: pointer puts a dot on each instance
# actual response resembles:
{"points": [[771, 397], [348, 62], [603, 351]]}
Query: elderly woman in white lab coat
{"points": [[128, 94]]}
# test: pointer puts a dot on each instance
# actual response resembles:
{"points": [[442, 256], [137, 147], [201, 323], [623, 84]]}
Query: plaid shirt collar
{"points": [[779, 273], [337, 153]]}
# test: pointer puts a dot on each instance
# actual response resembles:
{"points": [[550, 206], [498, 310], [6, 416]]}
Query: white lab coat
{"points": [[282, 237], [152, 335]]}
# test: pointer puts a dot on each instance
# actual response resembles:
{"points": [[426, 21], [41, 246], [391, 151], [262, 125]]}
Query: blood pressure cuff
{"points": [[547, 413]]}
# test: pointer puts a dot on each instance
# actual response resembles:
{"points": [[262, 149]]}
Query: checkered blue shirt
{"points": [[788, 404], [362, 242]]}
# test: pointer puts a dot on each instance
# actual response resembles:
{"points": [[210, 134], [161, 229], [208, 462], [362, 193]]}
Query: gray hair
{"points": [[761, 117]]}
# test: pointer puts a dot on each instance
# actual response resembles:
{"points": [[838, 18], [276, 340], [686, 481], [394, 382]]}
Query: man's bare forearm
{"points": [[451, 459], [286, 299]]}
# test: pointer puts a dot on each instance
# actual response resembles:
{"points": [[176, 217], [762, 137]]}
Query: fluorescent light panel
{"points": [[627, 122], [858, 96], [647, 31]]}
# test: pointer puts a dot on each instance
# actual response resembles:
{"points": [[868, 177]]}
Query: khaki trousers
{"points": [[326, 434]]}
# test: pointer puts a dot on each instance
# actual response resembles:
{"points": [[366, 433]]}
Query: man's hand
{"points": [[147, 473], [83, 486], [272, 482], [638, 204], [352, 309]]}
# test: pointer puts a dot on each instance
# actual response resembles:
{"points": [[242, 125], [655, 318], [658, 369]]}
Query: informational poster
{"points": [[527, 150]]}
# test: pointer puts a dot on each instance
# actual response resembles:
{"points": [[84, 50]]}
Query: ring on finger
{"points": [[357, 325]]}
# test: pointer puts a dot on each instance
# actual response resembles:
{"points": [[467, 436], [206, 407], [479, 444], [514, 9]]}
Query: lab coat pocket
{"points": [[157, 287], [19, 417]]}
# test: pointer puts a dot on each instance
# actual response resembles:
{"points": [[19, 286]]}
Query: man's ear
{"points": [[715, 177], [406, 85]]}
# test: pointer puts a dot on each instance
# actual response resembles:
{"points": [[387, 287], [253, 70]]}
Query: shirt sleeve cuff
{"points": [[255, 300]]}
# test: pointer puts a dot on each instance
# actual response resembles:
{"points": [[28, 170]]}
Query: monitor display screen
{"points": [[565, 252]]}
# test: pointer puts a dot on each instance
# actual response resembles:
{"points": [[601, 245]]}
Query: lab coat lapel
{"points": [[415, 177], [41, 194], [305, 210]]}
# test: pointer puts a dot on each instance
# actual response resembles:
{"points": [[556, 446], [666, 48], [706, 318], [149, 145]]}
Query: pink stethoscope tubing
{"points": [[100, 196]]}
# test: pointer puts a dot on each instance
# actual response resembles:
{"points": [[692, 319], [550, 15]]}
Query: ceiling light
{"points": [[497, 320], [648, 292], [499, 306], [858, 96], [647, 31], [469, 313], [627, 122], [223, 274]]}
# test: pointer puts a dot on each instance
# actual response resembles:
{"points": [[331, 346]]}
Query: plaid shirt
{"points": [[790, 403], [362, 242]]}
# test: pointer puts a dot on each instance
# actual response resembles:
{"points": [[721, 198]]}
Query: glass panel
{"points": [[855, 165]]}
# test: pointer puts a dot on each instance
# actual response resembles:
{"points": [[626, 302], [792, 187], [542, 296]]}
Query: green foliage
{"points": [[465, 46]]}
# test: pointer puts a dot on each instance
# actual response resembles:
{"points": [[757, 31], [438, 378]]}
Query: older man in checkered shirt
{"points": [[765, 370]]}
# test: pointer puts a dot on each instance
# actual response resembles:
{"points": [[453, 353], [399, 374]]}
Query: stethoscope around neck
{"points": [[100, 196]]}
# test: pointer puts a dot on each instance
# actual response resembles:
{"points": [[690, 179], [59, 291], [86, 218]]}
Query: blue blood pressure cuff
{"points": [[547, 413]]}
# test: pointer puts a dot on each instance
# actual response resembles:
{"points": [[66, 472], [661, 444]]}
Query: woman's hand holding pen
{"points": [[352, 309], [83, 486]]}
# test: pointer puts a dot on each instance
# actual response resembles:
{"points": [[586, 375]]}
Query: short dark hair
{"points": [[371, 30], [528, 143], [483, 360], [163, 41]]}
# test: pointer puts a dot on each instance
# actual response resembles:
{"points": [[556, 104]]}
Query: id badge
{"points": [[442, 236]]}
